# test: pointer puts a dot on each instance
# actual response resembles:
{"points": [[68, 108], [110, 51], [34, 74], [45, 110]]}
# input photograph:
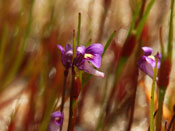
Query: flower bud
{"points": [[129, 46], [107, 3], [164, 73], [77, 88]]}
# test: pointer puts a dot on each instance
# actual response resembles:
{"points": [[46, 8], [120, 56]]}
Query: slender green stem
{"points": [[74, 45], [72, 87], [161, 43], [142, 22], [160, 108], [118, 72], [162, 90], [108, 42], [152, 98], [2, 48], [49, 109], [135, 16], [170, 36], [101, 116], [71, 101], [79, 28], [78, 39]]}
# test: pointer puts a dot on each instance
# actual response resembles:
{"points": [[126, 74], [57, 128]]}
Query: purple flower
{"points": [[56, 121], [66, 55], [92, 55], [84, 56], [147, 62]]}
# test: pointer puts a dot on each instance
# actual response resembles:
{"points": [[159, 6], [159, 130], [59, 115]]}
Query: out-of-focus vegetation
{"points": [[32, 75]]}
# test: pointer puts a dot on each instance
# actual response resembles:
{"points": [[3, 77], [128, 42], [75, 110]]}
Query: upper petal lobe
{"points": [[96, 48], [147, 51], [61, 49]]}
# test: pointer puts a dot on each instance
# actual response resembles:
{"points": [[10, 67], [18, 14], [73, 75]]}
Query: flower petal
{"points": [[56, 114], [147, 50], [81, 50], [68, 47], [54, 127], [61, 49], [151, 61], [67, 59], [96, 60], [89, 69], [146, 65], [59, 115], [96, 48]]}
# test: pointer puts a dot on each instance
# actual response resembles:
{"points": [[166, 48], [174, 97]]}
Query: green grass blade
{"points": [[142, 22], [74, 45], [170, 36], [108, 42], [2, 48], [20, 56], [79, 28], [135, 16]]}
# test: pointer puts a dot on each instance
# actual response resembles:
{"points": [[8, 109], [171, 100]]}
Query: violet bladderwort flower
{"points": [[147, 62], [90, 54], [56, 121], [66, 55], [84, 55]]}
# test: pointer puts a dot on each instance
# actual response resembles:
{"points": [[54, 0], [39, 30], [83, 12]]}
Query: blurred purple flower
{"points": [[56, 121], [91, 54], [66, 55], [147, 62]]}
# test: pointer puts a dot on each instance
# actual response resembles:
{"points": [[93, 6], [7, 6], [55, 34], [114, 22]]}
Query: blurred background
{"points": [[31, 72]]}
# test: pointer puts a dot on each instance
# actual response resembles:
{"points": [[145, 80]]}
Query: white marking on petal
{"points": [[152, 57], [88, 56], [88, 68]]}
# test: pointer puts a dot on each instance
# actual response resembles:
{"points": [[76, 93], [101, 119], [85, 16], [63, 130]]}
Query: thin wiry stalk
{"points": [[152, 98]]}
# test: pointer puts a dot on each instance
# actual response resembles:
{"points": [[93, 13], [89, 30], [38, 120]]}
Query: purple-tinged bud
{"points": [[129, 46], [164, 73], [77, 88]]}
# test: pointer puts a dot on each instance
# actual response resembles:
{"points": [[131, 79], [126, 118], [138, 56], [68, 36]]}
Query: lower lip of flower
{"points": [[152, 57], [88, 56]]}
